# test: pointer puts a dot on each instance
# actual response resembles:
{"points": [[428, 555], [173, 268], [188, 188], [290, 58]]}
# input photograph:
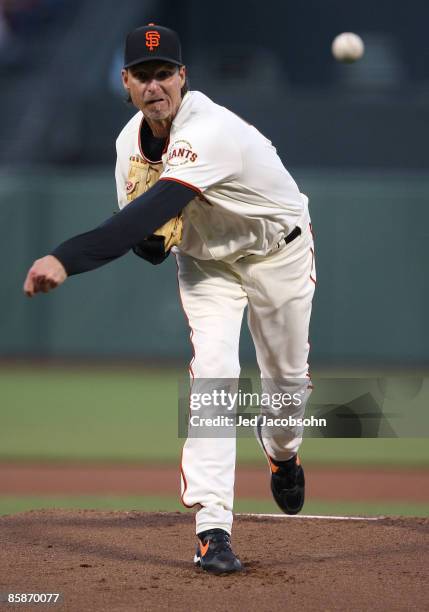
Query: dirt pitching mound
{"points": [[143, 561]]}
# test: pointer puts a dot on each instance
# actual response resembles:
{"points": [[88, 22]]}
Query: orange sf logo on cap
{"points": [[152, 39]]}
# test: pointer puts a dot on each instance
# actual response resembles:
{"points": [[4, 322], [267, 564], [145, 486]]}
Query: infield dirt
{"points": [[126, 561]]}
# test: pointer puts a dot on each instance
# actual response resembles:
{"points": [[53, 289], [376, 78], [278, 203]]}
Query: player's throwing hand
{"points": [[44, 275]]}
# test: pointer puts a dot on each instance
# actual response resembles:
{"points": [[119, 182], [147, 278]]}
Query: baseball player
{"points": [[194, 178]]}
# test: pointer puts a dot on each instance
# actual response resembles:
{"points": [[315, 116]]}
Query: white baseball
{"points": [[347, 47]]}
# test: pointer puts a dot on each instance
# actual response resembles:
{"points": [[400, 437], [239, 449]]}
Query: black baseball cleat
{"points": [[287, 481], [288, 484], [214, 553]]}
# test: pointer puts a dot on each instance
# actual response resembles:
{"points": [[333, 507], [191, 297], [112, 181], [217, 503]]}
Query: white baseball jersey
{"points": [[246, 201]]}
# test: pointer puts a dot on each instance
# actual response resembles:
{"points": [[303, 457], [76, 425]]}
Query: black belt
{"points": [[287, 240], [294, 234]]}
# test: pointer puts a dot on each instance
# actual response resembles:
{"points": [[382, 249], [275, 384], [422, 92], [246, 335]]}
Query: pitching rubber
{"points": [[314, 516]]}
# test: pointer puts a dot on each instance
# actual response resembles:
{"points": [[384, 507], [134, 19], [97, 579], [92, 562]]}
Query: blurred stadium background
{"points": [[90, 373]]}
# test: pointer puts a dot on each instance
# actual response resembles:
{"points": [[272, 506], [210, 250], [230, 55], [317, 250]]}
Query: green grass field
{"points": [[100, 414], [108, 414]]}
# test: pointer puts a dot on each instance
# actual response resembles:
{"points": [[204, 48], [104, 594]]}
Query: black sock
{"points": [[287, 463]]}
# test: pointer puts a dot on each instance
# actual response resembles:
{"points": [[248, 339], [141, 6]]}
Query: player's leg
{"points": [[213, 300], [280, 289]]}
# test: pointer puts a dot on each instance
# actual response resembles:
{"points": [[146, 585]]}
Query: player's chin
{"points": [[157, 110]]}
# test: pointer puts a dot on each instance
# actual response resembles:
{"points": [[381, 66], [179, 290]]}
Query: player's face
{"points": [[155, 89]]}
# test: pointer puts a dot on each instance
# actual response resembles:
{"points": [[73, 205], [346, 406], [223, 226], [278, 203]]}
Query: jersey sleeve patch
{"points": [[180, 153]]}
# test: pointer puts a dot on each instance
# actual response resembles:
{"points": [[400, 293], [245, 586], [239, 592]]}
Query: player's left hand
{"points": [[44, 275]]}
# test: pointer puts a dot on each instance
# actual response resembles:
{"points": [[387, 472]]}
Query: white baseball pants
{"points": [[278, 291]]}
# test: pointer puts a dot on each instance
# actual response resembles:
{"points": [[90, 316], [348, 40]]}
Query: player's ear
{"points": [[182, 75], [124, 74]]}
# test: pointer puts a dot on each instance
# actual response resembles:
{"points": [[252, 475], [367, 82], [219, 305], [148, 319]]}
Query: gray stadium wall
{"points": [[371, 300]]}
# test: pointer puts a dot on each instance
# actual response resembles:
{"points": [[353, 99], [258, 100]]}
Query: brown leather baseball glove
{"points": [[142, 175]]}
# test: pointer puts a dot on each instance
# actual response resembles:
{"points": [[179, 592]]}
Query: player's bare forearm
{"points": [[44, 275]]}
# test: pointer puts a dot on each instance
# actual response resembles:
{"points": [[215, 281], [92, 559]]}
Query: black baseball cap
{"points": [[152, 42]]}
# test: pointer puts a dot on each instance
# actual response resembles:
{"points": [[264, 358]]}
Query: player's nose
{"points": [[152, 85]]}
